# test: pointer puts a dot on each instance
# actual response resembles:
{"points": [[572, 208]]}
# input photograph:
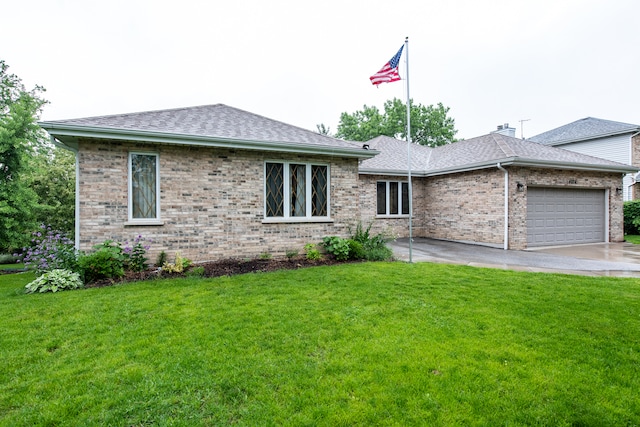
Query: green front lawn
{"points": [[356, 344], [632, 239]]}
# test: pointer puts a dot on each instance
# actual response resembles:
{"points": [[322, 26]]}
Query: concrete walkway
{"points": [[598, 259]]}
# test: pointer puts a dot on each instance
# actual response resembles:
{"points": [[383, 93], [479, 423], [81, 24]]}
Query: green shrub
{"points": [[382, 253], [336, 246], [291, 253], [161, 259], [632, 217], [107, 262], [179, 266], [374, 247], [8, 259], [356, 250], [265, 256], [312, 251], [361, 235], [54, 281], [195, 272], [135, 254]]}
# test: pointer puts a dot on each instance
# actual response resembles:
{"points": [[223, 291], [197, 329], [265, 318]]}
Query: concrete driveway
{"points": [[599, 259]]}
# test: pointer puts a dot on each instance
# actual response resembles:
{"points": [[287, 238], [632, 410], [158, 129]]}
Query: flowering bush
{"points": [[50, 250], [54, 281], [135, 254]]}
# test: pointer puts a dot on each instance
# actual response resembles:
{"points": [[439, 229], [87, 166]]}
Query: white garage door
{"points": [[562, 216]]}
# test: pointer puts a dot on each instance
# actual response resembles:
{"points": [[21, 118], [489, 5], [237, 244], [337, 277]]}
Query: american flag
{"points": [[388, 73]]}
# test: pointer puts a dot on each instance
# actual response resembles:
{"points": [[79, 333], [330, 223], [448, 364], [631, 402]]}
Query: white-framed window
{"points": [[296, 191], [392, 198], [144, 187]]}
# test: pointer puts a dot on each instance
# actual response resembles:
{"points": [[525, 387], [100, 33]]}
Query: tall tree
{"points": [[362, 125], [20, 138], [53, 179], [430, 125]]}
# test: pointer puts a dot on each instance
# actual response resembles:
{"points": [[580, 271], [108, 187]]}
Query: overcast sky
{"points": [[491, 61]]}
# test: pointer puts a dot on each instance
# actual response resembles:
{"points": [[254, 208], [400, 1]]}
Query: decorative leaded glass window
{"points": [[274, 189], [319, 190], [296, 190], [143, 186]]}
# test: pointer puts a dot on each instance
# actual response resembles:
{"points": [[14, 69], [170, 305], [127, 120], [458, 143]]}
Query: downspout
{"points": [[631, 159], [506, 206], [55, 142]]}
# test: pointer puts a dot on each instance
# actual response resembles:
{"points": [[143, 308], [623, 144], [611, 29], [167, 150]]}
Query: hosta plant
{"points": [[54, 281]]}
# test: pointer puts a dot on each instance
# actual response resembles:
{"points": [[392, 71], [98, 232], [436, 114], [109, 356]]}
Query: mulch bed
{"points": [[225, 267]]}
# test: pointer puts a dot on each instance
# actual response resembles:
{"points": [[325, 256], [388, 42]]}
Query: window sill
{"points": [[144, 222], [295, 220], [392, 216]]}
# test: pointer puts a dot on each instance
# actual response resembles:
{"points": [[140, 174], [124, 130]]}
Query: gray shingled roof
{"points": [[478, 153], [584, 129], [206, 125], [394, 157]]}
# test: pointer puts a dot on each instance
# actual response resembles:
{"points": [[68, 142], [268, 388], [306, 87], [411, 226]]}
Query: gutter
{"points": [[508, 161], [60, 131], [60, 144], [506, 205]]}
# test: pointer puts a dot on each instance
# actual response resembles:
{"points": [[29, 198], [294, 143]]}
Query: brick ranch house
{"points": [[215, 182]]}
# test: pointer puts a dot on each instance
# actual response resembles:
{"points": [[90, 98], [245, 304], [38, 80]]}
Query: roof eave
{"points": [[69, 134], [621, 168], [508, 161], [391, 172], [591, 137]]}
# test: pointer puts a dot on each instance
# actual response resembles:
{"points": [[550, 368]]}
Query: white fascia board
{"points": [[60, 131]]}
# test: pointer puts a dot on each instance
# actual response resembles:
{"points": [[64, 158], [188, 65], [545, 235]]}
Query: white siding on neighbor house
{"points": [[615, 148], [627, 183]]}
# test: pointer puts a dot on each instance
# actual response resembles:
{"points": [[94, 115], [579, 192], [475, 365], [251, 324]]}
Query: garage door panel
{"points": [[557, 216]]}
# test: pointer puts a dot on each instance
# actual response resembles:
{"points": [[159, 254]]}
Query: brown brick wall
{"points": [[392, 227], [470, 206], [465, 206], [211, 201]]}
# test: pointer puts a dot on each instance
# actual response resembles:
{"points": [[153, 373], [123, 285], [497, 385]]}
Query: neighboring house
{"points": [[217, 182], [607, 139]]}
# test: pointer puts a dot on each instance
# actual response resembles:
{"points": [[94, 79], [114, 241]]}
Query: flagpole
{"points": [[406, 45]]}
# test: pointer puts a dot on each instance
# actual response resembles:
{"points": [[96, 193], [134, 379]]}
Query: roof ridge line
{"points": [[504, 146]]}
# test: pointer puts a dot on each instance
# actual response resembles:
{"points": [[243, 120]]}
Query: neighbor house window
{"points": [[392, 198], [144, 187], [296, 190]]}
